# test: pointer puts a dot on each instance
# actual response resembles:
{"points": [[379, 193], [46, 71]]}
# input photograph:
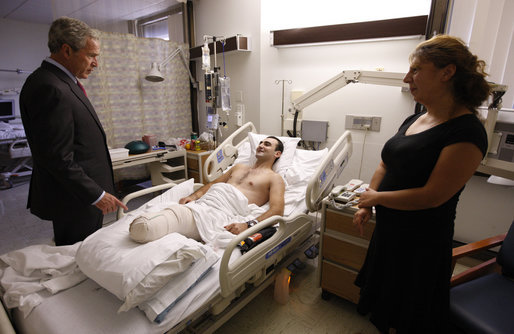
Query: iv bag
{"points": [[206, 57], [225, 93]]}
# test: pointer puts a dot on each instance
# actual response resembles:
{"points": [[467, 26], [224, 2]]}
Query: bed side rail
{"points": [[254, 264], [120, 213], [6, 326], [225, 154], [330, 168]]}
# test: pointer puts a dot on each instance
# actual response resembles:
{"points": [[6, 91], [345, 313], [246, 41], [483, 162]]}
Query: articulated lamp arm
{"points": [[344, 78], [155, 71]]}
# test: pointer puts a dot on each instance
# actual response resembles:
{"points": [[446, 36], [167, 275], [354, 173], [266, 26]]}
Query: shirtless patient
{"points": [[258, 183]]}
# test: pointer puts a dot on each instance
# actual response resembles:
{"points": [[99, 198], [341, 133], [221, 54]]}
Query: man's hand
{"points": [[109, 203], [187, 199], [236, 228]]}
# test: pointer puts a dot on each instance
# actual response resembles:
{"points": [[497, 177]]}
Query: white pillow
{"points": [[308, 160], [119, 264], [286, 159], [243, 154], [297, 177]]}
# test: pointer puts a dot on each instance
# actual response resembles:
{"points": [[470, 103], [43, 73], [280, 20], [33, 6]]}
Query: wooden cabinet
{"points": [[195, 162], [342, 252]]}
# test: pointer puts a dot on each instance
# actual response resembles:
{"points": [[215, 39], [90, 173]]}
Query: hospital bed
{"points": [[233, 280], [15, 148]]}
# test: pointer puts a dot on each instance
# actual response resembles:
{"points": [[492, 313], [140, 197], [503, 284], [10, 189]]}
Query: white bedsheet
{"points": [[11, 131], [30, 274], [221, 205], [135, 272]]}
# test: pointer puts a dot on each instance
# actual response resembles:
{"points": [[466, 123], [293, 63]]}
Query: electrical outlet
{"points": [[239, 118], [359, 122]]}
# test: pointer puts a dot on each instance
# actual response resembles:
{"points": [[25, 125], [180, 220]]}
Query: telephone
{"points": [[362, 188], [353, 184], [345, 197], [337, 191], [344, 193]]}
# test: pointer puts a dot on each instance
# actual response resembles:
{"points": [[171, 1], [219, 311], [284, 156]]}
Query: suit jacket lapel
{"points": [[75, 89]]}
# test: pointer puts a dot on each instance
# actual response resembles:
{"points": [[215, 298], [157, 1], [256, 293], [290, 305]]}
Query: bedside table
{"points": [[195, 162], [342, 252]]}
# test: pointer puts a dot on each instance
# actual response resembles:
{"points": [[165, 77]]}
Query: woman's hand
{"points": [[368, 199], [360, 218]]}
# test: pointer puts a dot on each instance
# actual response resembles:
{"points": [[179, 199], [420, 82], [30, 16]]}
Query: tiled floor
{"points": [[305, 311]]}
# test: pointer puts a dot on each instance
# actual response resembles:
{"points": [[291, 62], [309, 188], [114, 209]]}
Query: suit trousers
{"points": [[71, 226]]}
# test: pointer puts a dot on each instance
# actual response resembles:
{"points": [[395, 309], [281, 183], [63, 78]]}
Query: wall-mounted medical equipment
{"points": [[155, 71], [499, 125], [19, 71], [217, 85], [7, 110], [344, 78], [314, 130], [339, 81], [502, 146]]}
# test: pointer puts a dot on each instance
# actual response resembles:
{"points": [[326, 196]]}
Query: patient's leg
{"points": [[155, 225]]}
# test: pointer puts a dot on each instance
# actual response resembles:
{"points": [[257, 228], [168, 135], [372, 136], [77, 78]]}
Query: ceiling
{"points": [[96, 13]]}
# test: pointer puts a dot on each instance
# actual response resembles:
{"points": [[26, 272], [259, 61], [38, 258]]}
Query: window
{"points": [[168, 25]]}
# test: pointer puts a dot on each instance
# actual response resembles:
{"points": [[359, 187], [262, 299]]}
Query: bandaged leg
{"points": [[154, 225]]}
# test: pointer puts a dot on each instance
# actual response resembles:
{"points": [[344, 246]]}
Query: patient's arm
{"points": [[200, 192]]}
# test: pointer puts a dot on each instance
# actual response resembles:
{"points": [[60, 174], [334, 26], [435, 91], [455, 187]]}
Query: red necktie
{"points": [[82, 87]]}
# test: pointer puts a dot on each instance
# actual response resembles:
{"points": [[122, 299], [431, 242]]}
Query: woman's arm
{"points": [[455, 166], [363, 214]]}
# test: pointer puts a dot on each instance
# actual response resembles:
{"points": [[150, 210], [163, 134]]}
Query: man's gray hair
{"points": [[66, 30]]}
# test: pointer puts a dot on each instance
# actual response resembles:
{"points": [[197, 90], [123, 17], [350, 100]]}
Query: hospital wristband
{"points": [[251, 223]]}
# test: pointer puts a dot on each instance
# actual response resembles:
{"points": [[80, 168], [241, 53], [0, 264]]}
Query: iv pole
{"points": [[282, 114]]}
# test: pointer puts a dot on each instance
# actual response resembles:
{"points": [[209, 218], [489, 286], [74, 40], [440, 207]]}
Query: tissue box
{"points": [[118, 153]]}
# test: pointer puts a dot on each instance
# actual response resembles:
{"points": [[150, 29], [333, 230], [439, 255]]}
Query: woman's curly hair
{"points": [[468, 83]]}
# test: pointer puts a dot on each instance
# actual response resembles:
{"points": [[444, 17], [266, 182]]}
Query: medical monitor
{"points": [[7, 111]]}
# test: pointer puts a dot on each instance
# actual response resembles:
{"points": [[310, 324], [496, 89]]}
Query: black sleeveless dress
{"points": [[405, 278]]}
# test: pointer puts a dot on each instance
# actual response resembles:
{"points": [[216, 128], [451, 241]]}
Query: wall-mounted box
{"points": [[314, 130], [234, 43]]}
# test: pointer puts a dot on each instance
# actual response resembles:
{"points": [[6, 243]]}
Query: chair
{"points": [[482, 297]]}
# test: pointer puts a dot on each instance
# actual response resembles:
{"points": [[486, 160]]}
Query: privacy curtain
{"points": [[129, 106]]}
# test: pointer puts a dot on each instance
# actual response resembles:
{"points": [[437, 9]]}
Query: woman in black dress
{"points": [[405, 279]]}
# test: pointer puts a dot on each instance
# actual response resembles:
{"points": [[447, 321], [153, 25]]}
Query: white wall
{"points": [[309, 66], [23, 47]]}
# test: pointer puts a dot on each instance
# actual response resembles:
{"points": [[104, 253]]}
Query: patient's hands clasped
{"points": [[236, 228]]}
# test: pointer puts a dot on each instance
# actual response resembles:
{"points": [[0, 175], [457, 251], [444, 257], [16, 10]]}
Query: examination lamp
{"points": [[155, 74]]}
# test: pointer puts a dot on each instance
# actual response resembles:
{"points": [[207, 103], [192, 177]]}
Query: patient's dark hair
{"points": [[279, 147]]}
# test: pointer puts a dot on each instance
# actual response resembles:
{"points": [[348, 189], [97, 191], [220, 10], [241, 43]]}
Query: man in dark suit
{"points": [[72, 178]]}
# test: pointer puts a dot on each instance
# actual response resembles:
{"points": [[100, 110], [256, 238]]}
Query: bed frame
{"points": [[244, 278]]}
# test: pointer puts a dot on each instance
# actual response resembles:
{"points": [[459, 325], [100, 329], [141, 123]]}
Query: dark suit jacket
{"points": [[71, 161]]}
